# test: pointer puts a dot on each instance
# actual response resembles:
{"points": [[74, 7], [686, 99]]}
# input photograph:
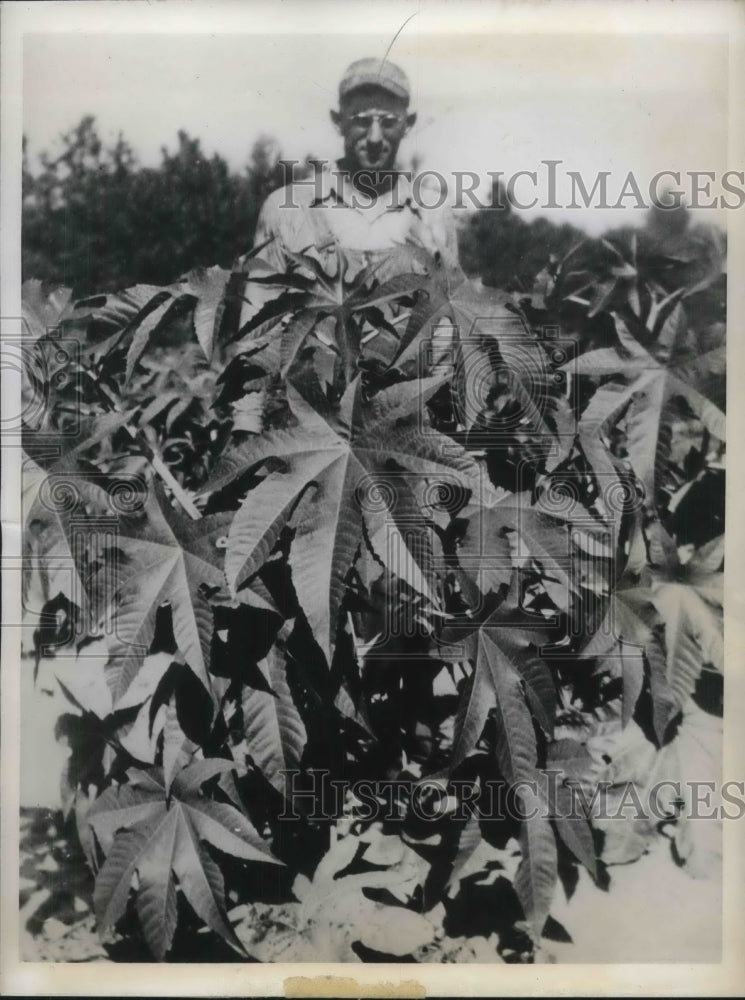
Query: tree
{"points": [[94, 219], [505, 250]]}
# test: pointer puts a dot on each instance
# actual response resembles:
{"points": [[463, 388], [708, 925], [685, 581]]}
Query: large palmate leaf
{"points": [[680, 604], [452, 301], [518, 531], [654, 377], [339, 479], [207, 291], [337, 303], [144, 832], [510, 679], [160, 556], [111, 321], [499, 640], [129, 318], [497, 684], [488, 345]]}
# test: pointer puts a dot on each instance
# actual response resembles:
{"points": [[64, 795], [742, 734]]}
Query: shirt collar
{"points": [[337, 185]]}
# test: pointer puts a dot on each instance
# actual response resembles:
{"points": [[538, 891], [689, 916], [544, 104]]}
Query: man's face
{"points": [[372, 123]]}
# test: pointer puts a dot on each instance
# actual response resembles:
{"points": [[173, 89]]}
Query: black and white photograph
{"points": [[364, 377]]}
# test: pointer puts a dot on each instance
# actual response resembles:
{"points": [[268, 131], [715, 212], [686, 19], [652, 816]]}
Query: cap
{"points": [[376, 73]]}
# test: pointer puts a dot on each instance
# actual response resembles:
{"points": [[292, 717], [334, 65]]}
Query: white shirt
{"points": [[330, 209]]}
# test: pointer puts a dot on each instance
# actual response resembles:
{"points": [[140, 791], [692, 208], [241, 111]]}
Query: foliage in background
{"points": [[97, 220], [507, 251]]}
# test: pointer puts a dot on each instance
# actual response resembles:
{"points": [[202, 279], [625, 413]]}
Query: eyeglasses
{"points": [[363, 121]]}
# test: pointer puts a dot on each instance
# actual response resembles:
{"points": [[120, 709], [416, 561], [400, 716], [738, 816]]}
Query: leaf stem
{"points": [[176, 488]]}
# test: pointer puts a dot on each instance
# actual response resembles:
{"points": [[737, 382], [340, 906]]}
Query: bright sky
{"points": [[635, 102]]}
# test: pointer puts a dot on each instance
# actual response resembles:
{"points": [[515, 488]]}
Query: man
{"points": [[363, 204]]}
